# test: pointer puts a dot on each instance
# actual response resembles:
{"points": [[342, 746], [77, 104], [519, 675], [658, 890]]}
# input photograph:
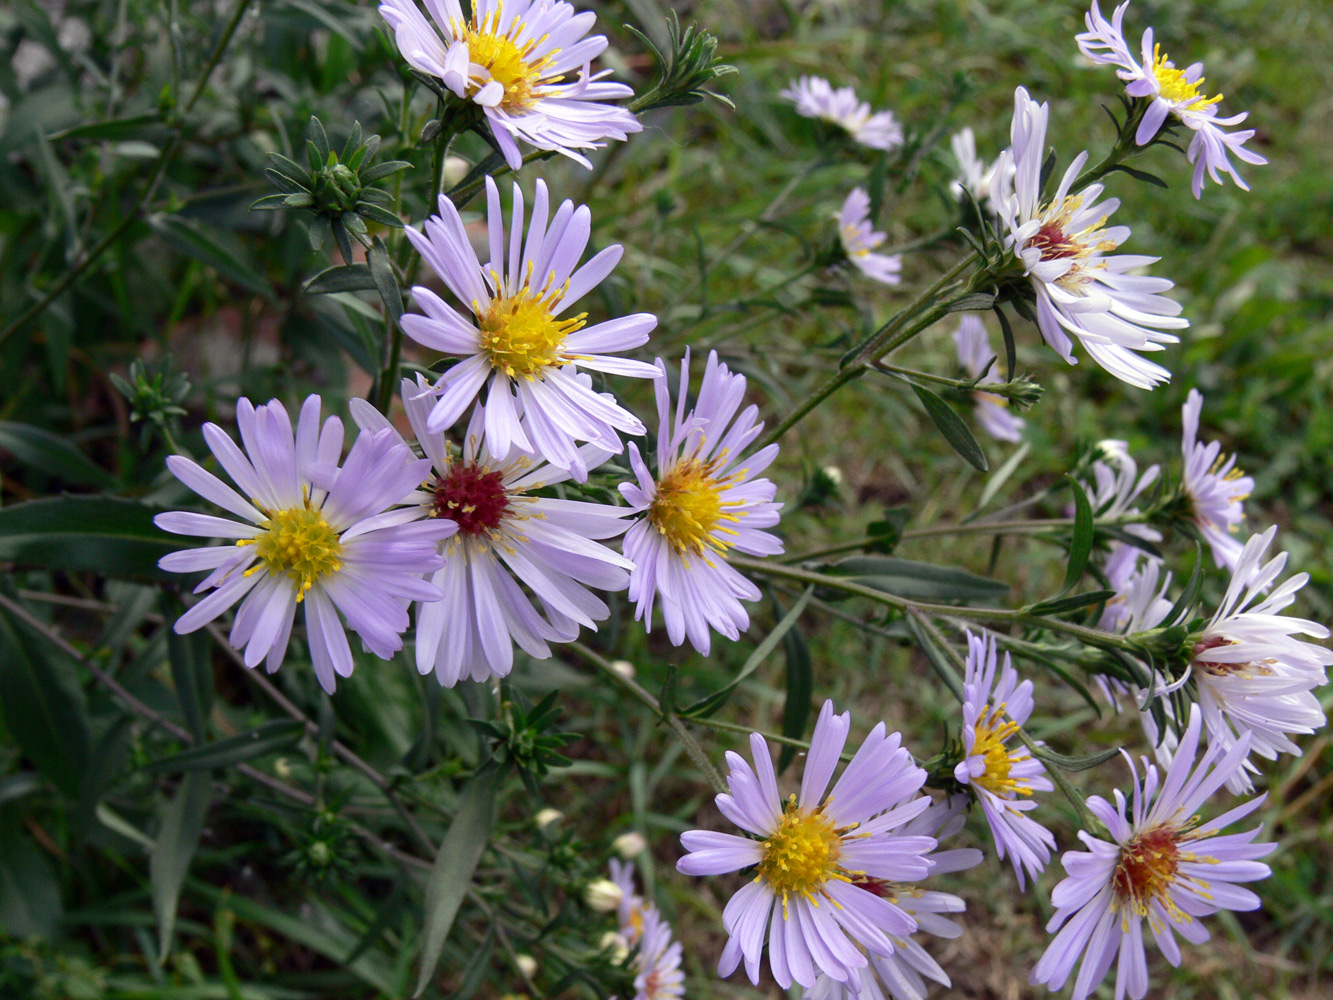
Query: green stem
{"points": [[164, 160], [884, 340], [673, 722]]}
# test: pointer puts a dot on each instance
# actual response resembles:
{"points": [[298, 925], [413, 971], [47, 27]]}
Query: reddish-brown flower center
{"points": [[472, 495], [1147, 868], [1051, 240]]}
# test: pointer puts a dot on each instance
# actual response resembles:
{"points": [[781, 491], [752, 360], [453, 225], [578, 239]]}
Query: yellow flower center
{"points": [[520, 333], [802, 854], [689, 506], [508, 61], [297, 542], [992, 730], [1173, 85]]}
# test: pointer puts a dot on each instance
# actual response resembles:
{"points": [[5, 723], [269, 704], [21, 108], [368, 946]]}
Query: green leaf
{"points": [[192, 671], [953, 428], [270, 737], [455, 862], [145, 126], [939, 658], [108, 535], [707, 706], [974, 301], [317, 138], [270, 202], [289, 169], [918, 581], [43, 706], [1141, 175], [29, 889], [53, 455], [1080, 763], [191, 239], [1064, 605], [382, 170], [341, 278], [386, 282], [800, 689], [177, 840], [1010, 348], [1080, 546], [374, 213]]}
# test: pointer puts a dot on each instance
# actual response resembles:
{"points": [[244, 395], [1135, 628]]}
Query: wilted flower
{"points": [[1171, 91], [975, 176], [1063, 245]]}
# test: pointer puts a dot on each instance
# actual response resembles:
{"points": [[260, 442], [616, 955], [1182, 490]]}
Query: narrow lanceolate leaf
{"points": [[919, 581], [456, 860], [1078, 763], [1080, 547], [706, 706], [192, 673], [53, 455], [29, 887], [194, 240], [1064, 605], [177, 840], [43, 707], [951, 425], [108, 535], [974, 301], [341, 278], [386, 282], [279, 734]]}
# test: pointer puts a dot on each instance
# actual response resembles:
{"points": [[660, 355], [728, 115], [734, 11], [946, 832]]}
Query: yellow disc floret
{"points": [[690, 506], [521, 335], [992, 730], [508, 61], [299, 543], [1056, 240], [1175, 86], [802, 854]]}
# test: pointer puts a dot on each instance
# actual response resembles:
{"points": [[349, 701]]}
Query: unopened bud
{"points": [[629, 845], [833, 474], [455, 169], [546, 817], [602, 895], [616, 945], [526, 965], [624, 668]]}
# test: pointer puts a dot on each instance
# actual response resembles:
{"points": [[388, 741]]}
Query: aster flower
{"points": [[1140, 604], [1214, 487], [859, 239], [816, 852], [978, 360], [515, 342], [518, 61], [1253, 677], [1000, 778], [1163, 866], [518, 568], [903, 974], [658, 975], [704, 502], [815, 97], [317, 535], [632, 905], [975, 176], [1115, 485], [1063, 245], [1170, 91]]}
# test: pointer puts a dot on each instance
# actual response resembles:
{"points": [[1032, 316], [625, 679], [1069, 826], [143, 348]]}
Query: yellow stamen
{"points": [[801, 855], [297, 542], [1173, 85], [1056, 242], [690, 507], [508, 61], [520, 333], [992, 730]]}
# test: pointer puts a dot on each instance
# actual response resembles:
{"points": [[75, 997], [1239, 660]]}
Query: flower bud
{"points": [[526, 965], [624, 668], [629, 845], [833, 474], [616, 945], [455, 169], [602, 895], [547, 817]]}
